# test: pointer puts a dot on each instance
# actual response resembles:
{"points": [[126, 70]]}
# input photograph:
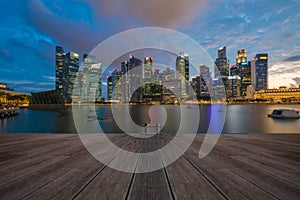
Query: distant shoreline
{"points": [[134, 104]]}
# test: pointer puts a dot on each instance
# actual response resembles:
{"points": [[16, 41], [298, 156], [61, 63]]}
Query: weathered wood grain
{"points": [[57, 166]]}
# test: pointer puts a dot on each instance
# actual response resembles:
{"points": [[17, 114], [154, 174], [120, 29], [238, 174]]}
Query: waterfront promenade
{"points": [[241, 166]]}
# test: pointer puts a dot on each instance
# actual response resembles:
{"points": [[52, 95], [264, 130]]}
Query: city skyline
{"points": [[30, 34]]}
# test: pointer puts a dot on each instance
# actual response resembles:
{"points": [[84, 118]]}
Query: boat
{"points": [[285, 114]]}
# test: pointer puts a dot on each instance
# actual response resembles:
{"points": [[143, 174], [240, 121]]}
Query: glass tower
{"points": [[261, 71], [60, 59], [72, 67]]}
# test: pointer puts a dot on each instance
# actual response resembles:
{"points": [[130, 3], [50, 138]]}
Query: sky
{"points": [[30, 30]]}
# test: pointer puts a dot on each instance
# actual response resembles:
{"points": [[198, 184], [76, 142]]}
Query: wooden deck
{"points": [[239, 167]]}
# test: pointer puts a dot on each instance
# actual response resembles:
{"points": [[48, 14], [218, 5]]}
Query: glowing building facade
{"points": [[182, 72], [261, 72], [60, 74]]}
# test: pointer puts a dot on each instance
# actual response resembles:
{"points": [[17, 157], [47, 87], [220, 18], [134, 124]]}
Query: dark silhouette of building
{"points": [[46, 100]]}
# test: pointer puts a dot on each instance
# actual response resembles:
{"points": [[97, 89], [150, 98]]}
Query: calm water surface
{"points": [[239, 119]]}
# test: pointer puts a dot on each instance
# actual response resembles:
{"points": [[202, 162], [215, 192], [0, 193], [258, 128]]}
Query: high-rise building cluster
{"points": [[237, 81], [139, 82], [78, 84], [242, 79]]}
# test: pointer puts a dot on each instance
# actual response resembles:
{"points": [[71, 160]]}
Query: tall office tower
{"points": [[95, 83], [60, 59], [218, 90], [114, 93], [196, 84], [95, 86], [147, 85], [253, 78], [147, 68], [234, 84], [245, 77], [205, 82], [170, 86], [222, 68], [245, 70], [183, 65], [125, 81], [91, 81], [132, 79], [182, 69], [72, 67], [124, 67], [241, 56], [134, 62], [261, 71], [109, 87]]}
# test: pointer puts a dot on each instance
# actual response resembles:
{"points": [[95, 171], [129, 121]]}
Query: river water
{"points": [[238, 119]]}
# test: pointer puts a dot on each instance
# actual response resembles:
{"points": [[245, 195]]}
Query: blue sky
{"points": [[30, 30]]}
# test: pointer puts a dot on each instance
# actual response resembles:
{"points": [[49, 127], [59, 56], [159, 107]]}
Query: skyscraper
{"points": [[245, 71], [134, 62], [205, 82], [182, 65], [196, 84], [114, 86], [109, 87], [71, 67], [234, 81], [241, 56], [124, 67], [182, 70], [261, 71], [253, 78], [222, 68], [60, 59], [94, 79], [245, 77], [147, 68], [132, 79]]}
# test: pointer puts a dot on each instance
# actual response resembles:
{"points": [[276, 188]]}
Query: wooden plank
{"points": [[110, 183], [151, 185], [67, 185], [232, 185], [274, 158], [239, 167], [40, 177], [187, 182], [274, 186]]}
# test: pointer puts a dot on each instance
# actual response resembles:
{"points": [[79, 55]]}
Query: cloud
{"points": [[166, 13], [52, 78], [77, 35], [297, 80], [293, 58], [285, 67], [285, 73]]}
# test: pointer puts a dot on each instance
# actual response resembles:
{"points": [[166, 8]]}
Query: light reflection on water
{"points": [[239, 119]]}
